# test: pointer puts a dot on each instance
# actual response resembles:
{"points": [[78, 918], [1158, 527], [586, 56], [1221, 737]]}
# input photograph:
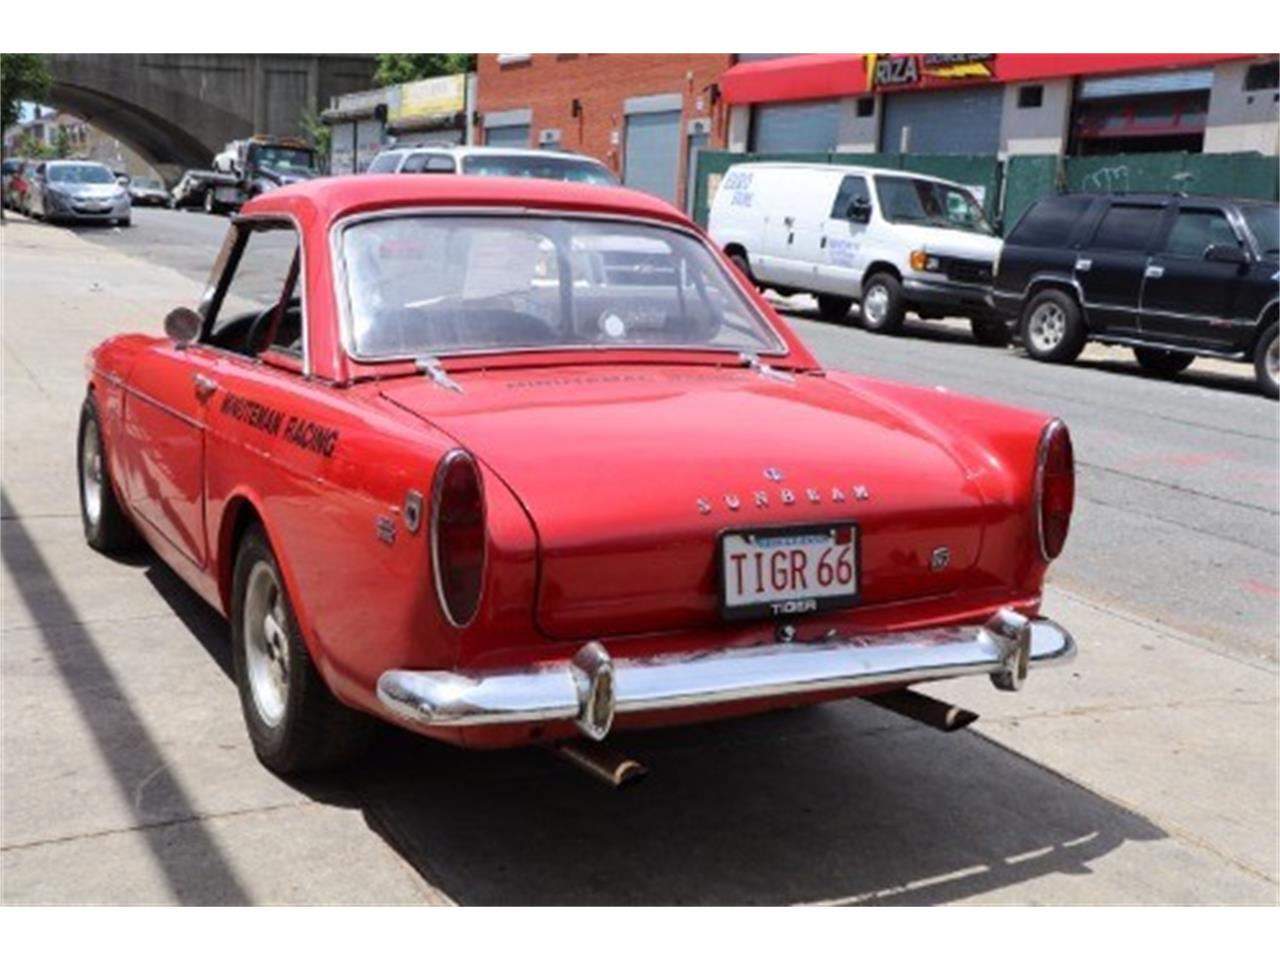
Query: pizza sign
{"points": [[909, 69]]}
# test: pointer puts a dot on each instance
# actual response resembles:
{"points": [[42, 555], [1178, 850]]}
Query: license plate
{"points": [[789, 570]]}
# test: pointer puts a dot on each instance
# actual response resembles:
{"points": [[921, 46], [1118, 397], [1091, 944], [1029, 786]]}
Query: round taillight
{"points": [[1055, 488], [458, 536]]}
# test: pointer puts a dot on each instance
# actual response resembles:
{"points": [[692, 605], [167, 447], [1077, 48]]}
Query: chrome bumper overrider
{"points": [[591, 688]]}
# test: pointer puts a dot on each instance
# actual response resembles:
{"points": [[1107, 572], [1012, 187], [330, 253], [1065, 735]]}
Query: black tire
{"points": [[1066, 345], [882, 296], [833, 309], [990, 333], [127, 222], [312, 730], [739, 260], [1162, 363], [107, 529], [210, 203], [1266, 358]]}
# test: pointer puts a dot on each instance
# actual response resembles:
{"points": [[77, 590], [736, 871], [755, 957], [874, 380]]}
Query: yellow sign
{"points": [[433, 97], [906, 70]]}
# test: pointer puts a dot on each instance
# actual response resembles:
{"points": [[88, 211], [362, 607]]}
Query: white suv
{"points": [[494, 162], [892, 240]]}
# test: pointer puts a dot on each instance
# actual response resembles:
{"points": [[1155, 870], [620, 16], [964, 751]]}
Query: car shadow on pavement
{"points": [[840, 803], [1243, 382]]}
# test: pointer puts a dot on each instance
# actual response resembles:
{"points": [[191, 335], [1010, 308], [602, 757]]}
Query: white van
{"points": [[894, 241], [494, 162]]}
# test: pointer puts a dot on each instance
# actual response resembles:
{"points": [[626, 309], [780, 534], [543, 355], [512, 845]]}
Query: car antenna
{"points": [[431, 367], [753, 362]]}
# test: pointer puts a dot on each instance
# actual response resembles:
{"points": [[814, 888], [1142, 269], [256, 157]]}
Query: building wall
{"points": [[1042, 129], [859, 134], [1239, 119], [548, 83]]}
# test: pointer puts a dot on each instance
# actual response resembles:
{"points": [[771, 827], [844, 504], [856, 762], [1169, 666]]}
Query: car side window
{"points": [[1050, 222], [256, 304], [1126, 227], [851, 188], [1194, 231], [440, 163]]}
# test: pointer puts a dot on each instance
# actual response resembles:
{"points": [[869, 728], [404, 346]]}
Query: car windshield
{"points": [[439, 285], [1264, 224], [385, 163], [908, 200], [544, 168], [80, 173], [147, 183], [284, 159]]}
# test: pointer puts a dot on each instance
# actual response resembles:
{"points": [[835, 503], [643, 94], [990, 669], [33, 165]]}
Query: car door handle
{"points": [[205, 386], [823, 243], [1154, 272], [1083, 265]]}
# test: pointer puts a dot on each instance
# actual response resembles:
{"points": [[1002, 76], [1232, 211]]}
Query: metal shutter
{"points": [[962, 121], [652, 159], [514, 136], [808, 127]]}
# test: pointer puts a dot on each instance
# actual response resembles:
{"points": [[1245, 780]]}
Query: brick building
{"points": [[643, 115]]}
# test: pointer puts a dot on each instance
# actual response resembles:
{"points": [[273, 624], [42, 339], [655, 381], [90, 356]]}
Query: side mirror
{"points": [[123, 181], [859, 210], [1225, 253], [182, 325]]}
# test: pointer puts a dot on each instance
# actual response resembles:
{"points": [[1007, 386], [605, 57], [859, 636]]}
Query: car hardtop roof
{"points": [[845, 168], [1161, 196], [331, 198]]}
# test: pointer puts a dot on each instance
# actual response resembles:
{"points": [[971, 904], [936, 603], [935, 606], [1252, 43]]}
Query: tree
{"points": [[23, 76], [62, 143], [319, 134], [405, 67]]}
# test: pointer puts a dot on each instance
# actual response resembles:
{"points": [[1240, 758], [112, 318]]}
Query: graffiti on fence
{"points": [[1107, 180]]}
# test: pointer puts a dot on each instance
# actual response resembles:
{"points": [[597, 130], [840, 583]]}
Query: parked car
{"points": [[78, 191], [11, 167], [890, 240], [1172, 276], [149, 192], [189, 191], [494, 162], [512, 462]]}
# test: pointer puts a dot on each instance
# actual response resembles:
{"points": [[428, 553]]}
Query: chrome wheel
{"points": [[91, 473], [875, 305], [266, 643], [1047, 327]]}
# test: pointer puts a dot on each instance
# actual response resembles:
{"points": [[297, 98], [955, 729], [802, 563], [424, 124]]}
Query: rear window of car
{"points": [[1049, 222], [539, 167], [1126, 227]]}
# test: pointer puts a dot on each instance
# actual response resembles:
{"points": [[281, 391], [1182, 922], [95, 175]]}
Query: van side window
{"points": [[1049, 222], [851, 188], [1196, 230], [1126, 227]]}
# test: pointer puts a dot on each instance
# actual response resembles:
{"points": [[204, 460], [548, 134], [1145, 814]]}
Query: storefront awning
{"points": [[820, 76]]}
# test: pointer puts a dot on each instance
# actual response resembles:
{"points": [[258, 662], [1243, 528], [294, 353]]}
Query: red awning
{"points": [[824, 75]]}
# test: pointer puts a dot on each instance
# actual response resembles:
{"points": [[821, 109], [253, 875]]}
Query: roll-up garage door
{"points": [[652, 159], [514, 136], [809, 127], [964, 121]]}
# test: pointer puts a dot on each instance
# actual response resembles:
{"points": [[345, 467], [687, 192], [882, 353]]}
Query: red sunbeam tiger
{"points": [[511, 461]]}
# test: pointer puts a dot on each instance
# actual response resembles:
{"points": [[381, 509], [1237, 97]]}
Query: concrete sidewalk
{"points": [[1143, 773]]}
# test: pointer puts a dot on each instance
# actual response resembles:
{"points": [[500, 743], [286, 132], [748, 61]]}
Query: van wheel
{"points": [[882, 308], [1266, 362], [739, 260], [294, 722], [990, 333], [210, 203], [1052, 328], [1163, 363], [833, 309]]}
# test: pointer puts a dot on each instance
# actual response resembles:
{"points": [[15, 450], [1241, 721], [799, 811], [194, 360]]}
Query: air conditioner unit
{"points": [[548, 138]]}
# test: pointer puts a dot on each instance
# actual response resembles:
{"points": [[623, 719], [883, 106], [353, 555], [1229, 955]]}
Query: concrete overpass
{"points": [[178, 110]]}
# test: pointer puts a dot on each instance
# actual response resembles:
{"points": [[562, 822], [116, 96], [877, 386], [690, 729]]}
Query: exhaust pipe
{"points": [[603, 762], [932, 713]]}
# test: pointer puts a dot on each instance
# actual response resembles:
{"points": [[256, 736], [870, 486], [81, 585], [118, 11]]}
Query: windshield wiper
{"points": [[431, 367], [753, 362]]}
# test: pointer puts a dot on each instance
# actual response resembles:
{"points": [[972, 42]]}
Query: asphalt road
{"points": [[1177, 516]]}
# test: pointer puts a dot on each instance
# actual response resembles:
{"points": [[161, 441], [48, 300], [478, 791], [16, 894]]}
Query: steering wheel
{"points": [[262, 322]]}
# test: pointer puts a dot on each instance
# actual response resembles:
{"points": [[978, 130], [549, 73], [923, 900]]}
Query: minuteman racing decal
{"points": [[301, 432]]}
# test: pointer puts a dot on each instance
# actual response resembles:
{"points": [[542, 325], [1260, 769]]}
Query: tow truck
{"points": [[244, 169]]}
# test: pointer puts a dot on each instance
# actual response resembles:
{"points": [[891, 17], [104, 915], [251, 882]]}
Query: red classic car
{"points": [[508, 461]]}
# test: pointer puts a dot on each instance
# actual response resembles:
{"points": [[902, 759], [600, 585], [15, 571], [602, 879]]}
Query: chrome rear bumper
{"points": [[592, 688]]}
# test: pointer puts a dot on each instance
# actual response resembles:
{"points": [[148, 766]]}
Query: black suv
{"points": [[1171, 276]]}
